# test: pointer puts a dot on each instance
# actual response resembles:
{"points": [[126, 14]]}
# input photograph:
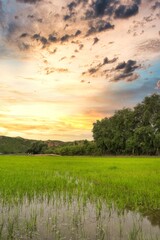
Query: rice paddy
{"points": [[89, 198]]}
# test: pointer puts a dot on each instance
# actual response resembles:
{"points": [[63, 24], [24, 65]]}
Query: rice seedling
{"points": [[79, 198]]}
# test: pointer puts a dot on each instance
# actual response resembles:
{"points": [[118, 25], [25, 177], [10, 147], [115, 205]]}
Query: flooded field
{"points": [[63, 218], [79, 198]]}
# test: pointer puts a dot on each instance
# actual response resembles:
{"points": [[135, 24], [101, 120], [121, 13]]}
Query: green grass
{"points": [[132, 183]]}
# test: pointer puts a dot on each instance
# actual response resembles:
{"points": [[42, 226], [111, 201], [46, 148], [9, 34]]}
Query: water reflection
{"points": [[153, 216], [72, 219]]}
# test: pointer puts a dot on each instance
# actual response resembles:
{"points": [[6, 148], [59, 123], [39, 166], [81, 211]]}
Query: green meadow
{"points": [[122, 184]]}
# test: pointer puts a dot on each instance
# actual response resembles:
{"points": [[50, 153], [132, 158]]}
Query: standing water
{"points": [[60, 218]]}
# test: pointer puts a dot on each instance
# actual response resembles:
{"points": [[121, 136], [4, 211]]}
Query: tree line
{"points": [[128, 132], [131, 131]]}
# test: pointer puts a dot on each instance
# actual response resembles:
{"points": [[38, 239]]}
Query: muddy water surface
{"points": [[61, 218]]}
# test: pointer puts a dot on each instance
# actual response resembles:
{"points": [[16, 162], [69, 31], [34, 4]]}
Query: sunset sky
{"points": [[65, 64]]}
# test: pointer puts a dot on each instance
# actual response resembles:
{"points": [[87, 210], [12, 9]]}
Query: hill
{"points": [[14, 145], [18, 145]]}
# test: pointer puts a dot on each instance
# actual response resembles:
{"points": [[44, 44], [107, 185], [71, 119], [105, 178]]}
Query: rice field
{"points": [[89, 198]]}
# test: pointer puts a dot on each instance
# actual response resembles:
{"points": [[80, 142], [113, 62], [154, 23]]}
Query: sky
{"points": [[65, 64]]}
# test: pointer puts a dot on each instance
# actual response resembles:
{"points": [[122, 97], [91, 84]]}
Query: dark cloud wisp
{"points": [[126, 71], [28, 1], [124, 11]]}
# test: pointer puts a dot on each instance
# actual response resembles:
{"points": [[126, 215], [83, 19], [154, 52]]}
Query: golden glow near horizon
{"points": [[56, 88]]}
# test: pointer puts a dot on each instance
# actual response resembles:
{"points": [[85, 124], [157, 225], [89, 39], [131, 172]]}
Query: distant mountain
{"points": [[18, 145], [14, 145]]}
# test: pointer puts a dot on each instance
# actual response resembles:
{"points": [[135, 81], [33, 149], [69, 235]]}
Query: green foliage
{"points": [[78, 148], [37, 147], [129, 131], [16, 145]]}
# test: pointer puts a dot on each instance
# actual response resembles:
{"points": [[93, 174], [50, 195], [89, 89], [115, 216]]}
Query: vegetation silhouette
{"points": [[131, 131]]}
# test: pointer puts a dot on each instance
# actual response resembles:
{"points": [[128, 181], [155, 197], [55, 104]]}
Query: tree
{"points": [[37, 147], [130, 131]]}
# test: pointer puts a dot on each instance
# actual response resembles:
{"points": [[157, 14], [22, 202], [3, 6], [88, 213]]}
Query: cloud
{"points": [[24, 46], [121, 66], [28, 1], [91, 30], [72, 5], [95, 40], [6, 53], [127, 67], [156, 5], [128, 77], [126, 70], [107, 61], [71, 9], [40, 38], [91, 71], [68, 16], [158, 85], [150, 45], [30, 16], [37, 36], [65, 38], [78, 32], [11, 29], [24, 127], [50, 70], [130, 66], [124, 11], [100, 26], [81, 46], [98, 68], [23, 35], [110, 99], [52, 38], [35, 32], [101, 8], [44, 41], [38, 23]]}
